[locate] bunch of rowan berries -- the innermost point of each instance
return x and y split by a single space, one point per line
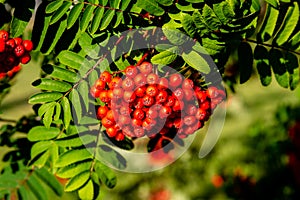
13 51
141 103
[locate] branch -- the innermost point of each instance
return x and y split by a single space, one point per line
272 46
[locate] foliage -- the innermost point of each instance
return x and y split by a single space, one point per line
74 38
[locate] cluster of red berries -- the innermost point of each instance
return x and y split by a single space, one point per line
143 104
13 51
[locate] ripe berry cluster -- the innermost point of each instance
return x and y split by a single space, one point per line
13 51
144 104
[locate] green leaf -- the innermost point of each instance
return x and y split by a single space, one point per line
23 193
41 159
73 156
59 32
269 24
150 6
85 120
166 57
69 141
124 4
57 111
39 148
196 61
77 181
92 50
61 11
70 170
187 8
174 36
87 17
74 14
40 26
18 27
165 2
36 188
245 62
45 107
264 71
53 6
50 180
54 85
288 26
87 191
42 133
212 47
83 90
224 11
210 18
120 17
75 99
294 42
60 73
278 65
71 59
261 55
48 117
293 69
107 18
106 175
189 26
65 104
97 19
274 3
115 3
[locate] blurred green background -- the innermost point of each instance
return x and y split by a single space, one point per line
250 157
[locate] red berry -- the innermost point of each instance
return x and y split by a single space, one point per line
115 83
140 92
175 80
151 91
163 84
140 80
191 109
18 41
205 105
110 94
145 68
107 123
95 92
189 95
152 79
212 92
4 35
104 96
129 96
148 100
177 123
127 84
179 94
152 113
102 111
189 120
169 123
188 84
162 96
110 115
118 93
123 120
105 76
131 71
138 114
201 114
137 122
11 43
100 85
124 110
178 105
2 45
139 132
25 58
111 131
120 136
170 101
201 96
148 124
138 103
165 112
28 45
10 60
